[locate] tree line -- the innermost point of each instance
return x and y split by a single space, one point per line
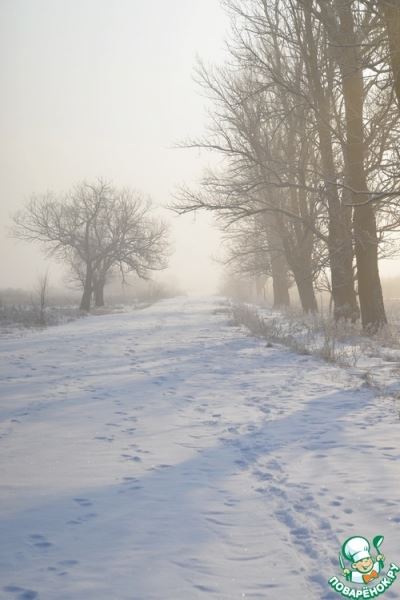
97 230
305 119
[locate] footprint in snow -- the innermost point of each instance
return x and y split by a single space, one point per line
39 541
83 501
23 593
82 519
130 488
133 458
230 502
274 465
205 588
233 429
263 476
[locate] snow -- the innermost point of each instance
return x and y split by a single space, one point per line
162 454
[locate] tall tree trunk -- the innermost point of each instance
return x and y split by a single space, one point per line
87 289
339 241
99 293
344 297
304 282
280 285
279 265
340 245
390 11
365 235
298 246
299 261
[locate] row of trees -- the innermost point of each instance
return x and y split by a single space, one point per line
96 230
305 118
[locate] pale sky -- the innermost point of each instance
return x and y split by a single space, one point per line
104 88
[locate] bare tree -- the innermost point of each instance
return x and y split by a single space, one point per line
339 21
263 137
129 240
305 123
96 228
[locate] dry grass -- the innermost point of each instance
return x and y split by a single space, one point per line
29 316
340 343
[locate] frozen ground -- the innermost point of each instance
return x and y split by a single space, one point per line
162 454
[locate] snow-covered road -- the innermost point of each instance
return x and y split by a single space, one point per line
162 454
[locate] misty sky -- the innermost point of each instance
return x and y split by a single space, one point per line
104 88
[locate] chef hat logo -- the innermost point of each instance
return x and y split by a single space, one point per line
356 548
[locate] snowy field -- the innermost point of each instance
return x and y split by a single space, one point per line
162 454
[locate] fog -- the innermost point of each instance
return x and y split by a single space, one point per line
188 435
105 89
100 89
